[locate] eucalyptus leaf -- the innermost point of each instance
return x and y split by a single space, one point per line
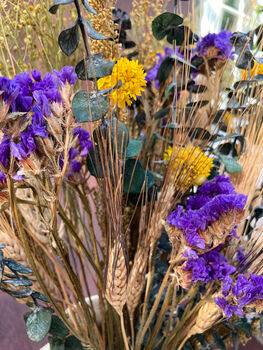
16 267
182 35
87 6
165 22
165 69
19 294
69 39
92 32
261 322
162 113
134 176
40 296
57 328
133 148
230 163
38 324
56 343
94 67
18 283
53 9
72 343
88 107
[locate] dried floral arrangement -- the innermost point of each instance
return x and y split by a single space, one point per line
130 210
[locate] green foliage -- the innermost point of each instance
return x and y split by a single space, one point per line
38 324
163 24
88 107
162 113
69 39
57 328
230 163
133 148
94 67
165 69
135 177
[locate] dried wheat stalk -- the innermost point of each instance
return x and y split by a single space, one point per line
116 286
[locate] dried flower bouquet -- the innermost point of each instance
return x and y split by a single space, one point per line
142 188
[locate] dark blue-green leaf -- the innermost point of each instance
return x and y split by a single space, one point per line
87 6
16 267
165 22
69 39
89 107
162 113
56 343
92 32
165 69
72 343
57 328
21 282
94 67
133 148
53 9
243 324
38 324
134 176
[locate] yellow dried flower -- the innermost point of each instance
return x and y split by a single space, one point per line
191 166
132 77
257 69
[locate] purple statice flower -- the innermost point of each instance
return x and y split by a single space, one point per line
4 155
241 258
66 74
83 138
153 73
229 310
210 266
25 147
189 253
9 90
220 41
191 221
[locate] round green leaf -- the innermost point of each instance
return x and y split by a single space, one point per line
119 134
133 148
72 343
89 107
134 176
165 22
57 328
96 66
56 343
38 324
230 163
69 39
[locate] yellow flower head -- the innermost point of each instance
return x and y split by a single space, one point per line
132 77
191 166
257 69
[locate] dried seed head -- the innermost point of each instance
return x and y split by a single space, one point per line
136 280
116 286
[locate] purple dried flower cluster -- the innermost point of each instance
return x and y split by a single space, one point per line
209 266
31 94
246 291
220 41
152 73
213 199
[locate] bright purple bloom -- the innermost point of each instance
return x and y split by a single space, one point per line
84 142
209 267
25 147
67 74
229 310
221 41
153 73
214 198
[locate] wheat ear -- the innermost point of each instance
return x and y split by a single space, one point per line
116 286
